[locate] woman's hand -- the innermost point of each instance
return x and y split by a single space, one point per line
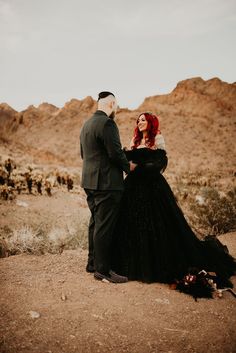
132 166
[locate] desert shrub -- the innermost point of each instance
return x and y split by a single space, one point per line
44 239
6 192
3 248
217 212
26 240
4 138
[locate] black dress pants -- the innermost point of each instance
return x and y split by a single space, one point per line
104 207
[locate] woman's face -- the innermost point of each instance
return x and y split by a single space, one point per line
142 123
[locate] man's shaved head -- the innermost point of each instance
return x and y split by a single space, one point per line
104 94
107 103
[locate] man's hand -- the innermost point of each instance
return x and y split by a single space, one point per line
132 166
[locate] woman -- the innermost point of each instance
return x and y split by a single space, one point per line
153 241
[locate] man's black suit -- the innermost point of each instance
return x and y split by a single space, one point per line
102 178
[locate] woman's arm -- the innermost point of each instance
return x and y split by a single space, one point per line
160 142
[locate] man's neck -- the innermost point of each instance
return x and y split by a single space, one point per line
103 111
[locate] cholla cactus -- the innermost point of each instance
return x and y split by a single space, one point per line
19 183
18 187
6 192
63 180
38 182
11 182
11 194
8 164
69 182
48 187
58 177
3 176
29 182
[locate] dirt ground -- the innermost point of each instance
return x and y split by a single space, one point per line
33 209
80 314
48 303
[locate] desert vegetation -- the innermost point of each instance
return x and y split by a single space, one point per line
15 180
208 205
208 201
40 165
40 232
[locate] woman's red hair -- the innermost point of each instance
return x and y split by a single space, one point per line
152 130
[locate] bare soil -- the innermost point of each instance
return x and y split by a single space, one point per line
81 314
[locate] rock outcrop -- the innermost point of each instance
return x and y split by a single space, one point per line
198 120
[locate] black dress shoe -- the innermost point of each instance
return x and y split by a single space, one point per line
111 277
90 268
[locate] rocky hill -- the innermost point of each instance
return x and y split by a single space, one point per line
198 120
196 98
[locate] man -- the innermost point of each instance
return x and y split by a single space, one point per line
102 179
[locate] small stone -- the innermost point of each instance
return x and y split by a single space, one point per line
61 281
34 314
98 316
21 203
162 301
63 297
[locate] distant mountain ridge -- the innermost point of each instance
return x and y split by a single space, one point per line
197 118
197 97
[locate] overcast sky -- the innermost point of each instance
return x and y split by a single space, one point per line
56 50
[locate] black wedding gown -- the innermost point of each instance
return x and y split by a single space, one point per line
153 241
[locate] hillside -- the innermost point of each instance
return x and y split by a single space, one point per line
198 120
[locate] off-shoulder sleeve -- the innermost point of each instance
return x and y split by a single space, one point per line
148 158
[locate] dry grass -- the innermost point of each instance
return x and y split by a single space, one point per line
44 239
208 201
216 213
61 222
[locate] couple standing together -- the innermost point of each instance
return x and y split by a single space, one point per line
137 230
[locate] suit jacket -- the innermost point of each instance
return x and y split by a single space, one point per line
103 158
